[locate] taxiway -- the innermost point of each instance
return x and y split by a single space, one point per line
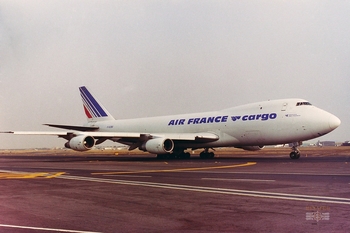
78 192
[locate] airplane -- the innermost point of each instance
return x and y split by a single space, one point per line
249 127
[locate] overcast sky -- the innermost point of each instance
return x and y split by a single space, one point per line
150 58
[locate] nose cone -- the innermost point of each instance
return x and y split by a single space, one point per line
322 122
334 122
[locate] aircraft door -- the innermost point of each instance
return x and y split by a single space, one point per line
284 106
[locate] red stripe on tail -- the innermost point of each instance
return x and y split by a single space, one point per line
87 113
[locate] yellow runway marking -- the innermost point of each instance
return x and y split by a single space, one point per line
175 170
54 175
14 175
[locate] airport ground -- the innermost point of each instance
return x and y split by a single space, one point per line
119 191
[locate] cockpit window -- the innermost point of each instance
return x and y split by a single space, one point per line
303 103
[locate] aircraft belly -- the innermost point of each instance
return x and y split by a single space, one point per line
224 140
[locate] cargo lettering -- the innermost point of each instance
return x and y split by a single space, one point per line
256 117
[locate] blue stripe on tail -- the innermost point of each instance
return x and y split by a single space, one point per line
91 104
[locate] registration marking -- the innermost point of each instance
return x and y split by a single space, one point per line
176 169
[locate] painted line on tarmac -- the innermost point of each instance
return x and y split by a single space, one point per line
237 192
252 180
28 175
281 173
131 176
175 170
45 229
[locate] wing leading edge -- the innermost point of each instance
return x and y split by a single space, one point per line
129 138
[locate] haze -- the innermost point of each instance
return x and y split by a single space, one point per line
150 58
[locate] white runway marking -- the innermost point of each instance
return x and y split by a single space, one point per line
273 173
249 180
45 229
271 195
129 176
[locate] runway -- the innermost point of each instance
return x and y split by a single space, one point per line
76 192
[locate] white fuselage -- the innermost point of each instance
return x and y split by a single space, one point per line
258 124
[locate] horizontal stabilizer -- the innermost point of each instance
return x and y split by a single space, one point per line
73 127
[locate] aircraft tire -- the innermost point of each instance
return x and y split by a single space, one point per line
165 156
204 155
186 155
181 155
294 155
211 155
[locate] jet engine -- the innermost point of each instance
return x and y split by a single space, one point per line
81 143
252 148
158 146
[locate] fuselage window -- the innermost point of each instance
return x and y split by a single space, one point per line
303 103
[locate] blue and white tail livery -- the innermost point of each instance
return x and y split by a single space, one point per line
249 127
94 110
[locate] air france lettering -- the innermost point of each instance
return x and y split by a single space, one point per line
202 120
219 119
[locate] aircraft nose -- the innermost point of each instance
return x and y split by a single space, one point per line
334 122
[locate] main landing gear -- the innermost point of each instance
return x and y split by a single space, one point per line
175 155
206 154
186 155
295 154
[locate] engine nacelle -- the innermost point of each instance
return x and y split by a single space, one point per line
81 143
252 148
158 146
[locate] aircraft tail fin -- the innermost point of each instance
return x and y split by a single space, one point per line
93 108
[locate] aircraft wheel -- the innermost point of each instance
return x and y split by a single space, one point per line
294 155
211 155
204 155
181 155
165 156
186 155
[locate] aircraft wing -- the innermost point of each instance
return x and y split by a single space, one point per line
125 136
57 133
141 137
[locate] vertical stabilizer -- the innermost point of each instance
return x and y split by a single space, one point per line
94 110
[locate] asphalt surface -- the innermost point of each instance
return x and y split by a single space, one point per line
107 193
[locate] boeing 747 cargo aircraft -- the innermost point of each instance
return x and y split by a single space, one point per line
250 127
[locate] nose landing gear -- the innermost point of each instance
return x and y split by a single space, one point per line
295 154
